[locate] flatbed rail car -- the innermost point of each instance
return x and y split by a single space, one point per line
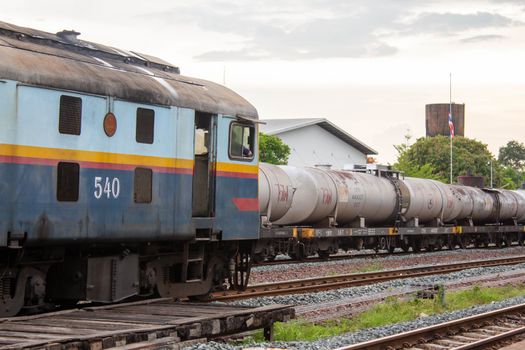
301 242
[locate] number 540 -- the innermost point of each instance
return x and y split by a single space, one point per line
109 187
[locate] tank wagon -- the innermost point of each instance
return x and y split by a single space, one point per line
118 175
307 211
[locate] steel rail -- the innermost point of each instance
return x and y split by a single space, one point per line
358 255
356 279
438 332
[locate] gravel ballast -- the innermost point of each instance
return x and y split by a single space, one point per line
282 272
403 285
399 284
372 333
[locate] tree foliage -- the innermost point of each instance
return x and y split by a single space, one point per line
430 158
513 155
273 150
411 168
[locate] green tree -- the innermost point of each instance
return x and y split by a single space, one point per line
273 150
469 156
512 155
410 168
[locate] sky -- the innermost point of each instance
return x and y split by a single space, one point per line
369 66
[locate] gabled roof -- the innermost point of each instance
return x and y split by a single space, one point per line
279 126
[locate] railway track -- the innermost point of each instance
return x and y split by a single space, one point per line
311 285
473 332
350 256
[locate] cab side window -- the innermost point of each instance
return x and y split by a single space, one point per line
242 140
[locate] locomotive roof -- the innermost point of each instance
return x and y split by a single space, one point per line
62 61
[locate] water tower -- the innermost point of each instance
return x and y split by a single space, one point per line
436 119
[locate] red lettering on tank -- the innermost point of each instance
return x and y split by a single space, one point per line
327 196
282 194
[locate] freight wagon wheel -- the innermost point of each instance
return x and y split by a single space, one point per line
241 275
508 240
462 242
391 244
451 243
323 254
416 245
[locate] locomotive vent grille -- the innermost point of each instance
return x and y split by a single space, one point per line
70 115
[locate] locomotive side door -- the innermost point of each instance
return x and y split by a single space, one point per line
205 155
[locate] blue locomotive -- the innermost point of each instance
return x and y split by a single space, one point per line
118 175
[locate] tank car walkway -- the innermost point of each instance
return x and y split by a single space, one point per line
145 322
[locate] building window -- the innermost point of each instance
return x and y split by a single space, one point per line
68 176
242 141
70 115
145 125
143 185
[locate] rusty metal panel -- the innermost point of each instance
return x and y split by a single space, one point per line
436 119
472 181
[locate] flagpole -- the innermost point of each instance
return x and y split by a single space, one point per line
450 116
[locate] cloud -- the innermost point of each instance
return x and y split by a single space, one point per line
316 29
454 23
482 38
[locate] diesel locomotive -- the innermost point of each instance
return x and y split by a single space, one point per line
120 177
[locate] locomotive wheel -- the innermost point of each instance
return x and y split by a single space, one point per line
10 305
241 275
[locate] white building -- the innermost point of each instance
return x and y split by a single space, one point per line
317 141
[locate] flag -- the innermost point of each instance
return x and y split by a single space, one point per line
450 125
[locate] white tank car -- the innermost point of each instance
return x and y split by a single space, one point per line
425 202
453 202
313 199
520 197
275 191
363 196
301 196
508 205
467 203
